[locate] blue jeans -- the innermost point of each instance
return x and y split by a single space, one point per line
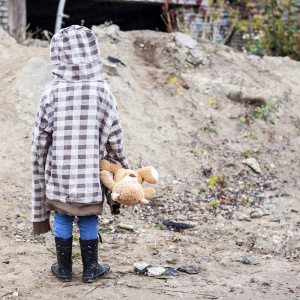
63 226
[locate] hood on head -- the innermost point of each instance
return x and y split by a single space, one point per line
75 54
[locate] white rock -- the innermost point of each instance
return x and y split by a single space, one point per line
110 69
112 31
126 226
243 217
140 266
253 164
15 294
184 40
156 271
267 256
196 57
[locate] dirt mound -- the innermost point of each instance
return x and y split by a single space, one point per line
188 111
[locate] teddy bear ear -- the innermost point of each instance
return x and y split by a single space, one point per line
114 196
149 174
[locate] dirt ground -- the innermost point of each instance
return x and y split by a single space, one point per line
185 120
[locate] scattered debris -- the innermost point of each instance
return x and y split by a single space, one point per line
171 272
155 271
141 266
243 217
192 269
126 226
267 256
115 60
255 214
178 227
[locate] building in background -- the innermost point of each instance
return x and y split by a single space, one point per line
3 14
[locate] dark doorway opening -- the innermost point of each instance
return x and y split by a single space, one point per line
129 16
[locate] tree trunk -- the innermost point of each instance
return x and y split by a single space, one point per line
17 19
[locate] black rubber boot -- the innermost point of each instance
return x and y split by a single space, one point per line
62 269
92 271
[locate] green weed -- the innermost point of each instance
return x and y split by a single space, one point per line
212 180
263 111
76 254
243 120
202 189
172 261
214 203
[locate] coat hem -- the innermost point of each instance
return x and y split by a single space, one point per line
75 209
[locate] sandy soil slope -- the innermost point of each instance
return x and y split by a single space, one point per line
181 132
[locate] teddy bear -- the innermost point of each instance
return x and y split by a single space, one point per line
126 185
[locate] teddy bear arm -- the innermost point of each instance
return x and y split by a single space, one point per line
107 179
149 192
107 166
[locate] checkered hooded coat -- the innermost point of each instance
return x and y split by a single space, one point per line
77 123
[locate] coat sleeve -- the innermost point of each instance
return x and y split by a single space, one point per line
41 141
114 146
115 154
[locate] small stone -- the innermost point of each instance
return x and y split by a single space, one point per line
272 166
252 279
126 226
196 57
192 269
267 256
253 164
255 214
246 260
243 217
112 31
142 45
15 294
141 266
171 272
184 40
155 271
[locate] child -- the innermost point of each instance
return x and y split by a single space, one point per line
77 120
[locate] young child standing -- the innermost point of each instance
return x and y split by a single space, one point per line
77 120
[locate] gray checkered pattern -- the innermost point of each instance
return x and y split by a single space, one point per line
77 120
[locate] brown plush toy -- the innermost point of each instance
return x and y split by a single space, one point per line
126 186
